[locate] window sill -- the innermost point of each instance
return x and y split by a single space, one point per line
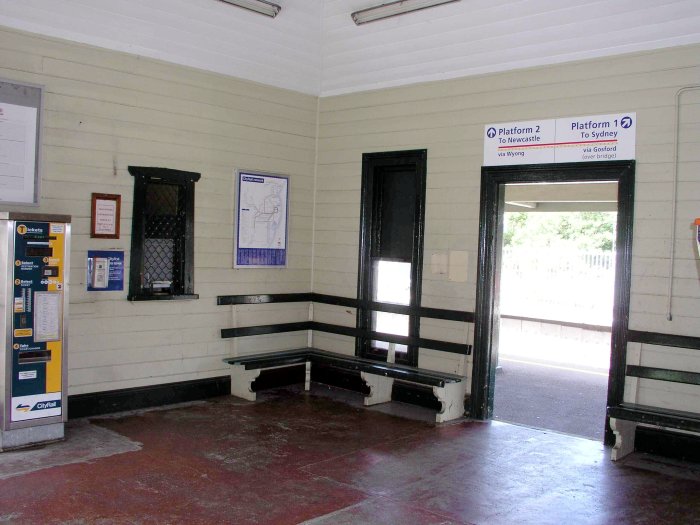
163 297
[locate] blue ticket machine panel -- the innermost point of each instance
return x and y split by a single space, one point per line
35 304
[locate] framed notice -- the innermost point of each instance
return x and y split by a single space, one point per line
262 204
20 140
106 209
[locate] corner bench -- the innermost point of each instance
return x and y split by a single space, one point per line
449 389
625 417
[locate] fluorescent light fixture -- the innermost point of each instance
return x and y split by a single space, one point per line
393 9
259 6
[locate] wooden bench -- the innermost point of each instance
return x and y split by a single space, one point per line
449 389
625 417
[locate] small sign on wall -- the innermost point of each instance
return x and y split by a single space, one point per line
106 211
573 139
105 270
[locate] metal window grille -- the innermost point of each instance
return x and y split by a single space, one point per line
164 238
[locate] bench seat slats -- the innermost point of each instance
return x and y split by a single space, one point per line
663 417
270 360
302 355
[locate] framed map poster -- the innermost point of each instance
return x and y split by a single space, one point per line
262 204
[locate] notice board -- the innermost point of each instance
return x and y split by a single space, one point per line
20 142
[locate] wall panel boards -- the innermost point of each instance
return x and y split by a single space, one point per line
448 119
105 111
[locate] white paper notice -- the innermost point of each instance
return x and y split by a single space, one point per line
17 153
47 316
105 217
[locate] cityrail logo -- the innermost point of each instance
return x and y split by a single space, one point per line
45 405
21 229
41 405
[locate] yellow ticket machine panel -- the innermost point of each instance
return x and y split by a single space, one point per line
37 256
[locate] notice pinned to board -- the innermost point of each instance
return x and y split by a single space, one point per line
573 139
20 115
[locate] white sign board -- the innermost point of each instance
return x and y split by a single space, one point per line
572 139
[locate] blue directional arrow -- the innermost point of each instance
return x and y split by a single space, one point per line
491 133
626 122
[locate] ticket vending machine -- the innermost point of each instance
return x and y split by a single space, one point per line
34 264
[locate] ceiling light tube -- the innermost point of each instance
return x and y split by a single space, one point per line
259 6
393 9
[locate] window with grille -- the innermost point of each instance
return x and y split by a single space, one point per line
162 235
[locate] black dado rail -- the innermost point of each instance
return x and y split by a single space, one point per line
659 339
664 374
433 313
422 311
433 344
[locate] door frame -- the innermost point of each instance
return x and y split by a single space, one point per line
492 207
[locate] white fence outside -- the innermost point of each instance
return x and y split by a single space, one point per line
556 284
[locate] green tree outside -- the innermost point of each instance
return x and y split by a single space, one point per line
587 230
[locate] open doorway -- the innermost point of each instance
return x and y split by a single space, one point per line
556 306
488 301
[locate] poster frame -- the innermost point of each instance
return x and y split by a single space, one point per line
243 256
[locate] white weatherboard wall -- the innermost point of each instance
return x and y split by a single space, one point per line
448 119
105 111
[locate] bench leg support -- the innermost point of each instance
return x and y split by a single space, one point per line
379 388
242 382
624 437
307 377
451 397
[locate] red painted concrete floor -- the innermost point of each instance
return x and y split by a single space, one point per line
314 458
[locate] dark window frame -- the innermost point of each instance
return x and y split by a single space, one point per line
185 180
373 164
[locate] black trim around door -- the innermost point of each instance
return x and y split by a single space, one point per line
493 181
